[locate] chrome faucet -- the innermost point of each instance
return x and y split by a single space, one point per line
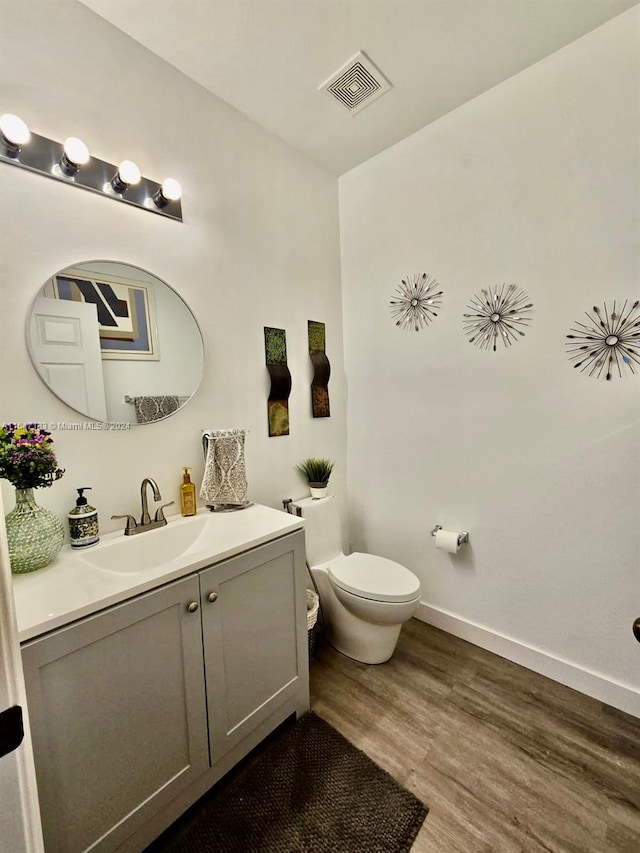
132 527
146 518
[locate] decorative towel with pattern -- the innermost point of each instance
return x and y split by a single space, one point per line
224 485
150 408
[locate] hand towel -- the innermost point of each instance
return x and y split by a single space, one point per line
154 408
225 481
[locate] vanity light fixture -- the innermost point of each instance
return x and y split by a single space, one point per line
14 133
74 154
169 191
128 175
71 162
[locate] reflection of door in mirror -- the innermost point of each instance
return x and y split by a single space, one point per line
66 346
148 344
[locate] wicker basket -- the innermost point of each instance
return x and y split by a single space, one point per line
313 605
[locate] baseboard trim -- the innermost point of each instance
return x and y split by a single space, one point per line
613 693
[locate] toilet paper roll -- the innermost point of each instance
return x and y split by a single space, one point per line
447 540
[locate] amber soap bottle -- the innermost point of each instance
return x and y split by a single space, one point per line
187 495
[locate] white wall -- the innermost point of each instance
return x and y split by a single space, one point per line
535 182
259 246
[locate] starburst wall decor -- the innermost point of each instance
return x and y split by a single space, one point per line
500 313
611 342
417 299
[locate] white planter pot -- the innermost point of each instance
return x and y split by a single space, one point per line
318 490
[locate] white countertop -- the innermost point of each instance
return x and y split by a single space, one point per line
77 583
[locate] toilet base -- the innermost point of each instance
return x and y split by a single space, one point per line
366 649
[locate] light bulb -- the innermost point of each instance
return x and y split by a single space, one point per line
75 154
13 132
76 151
129 172
127 175
169 191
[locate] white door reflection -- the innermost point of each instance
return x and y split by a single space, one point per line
66 346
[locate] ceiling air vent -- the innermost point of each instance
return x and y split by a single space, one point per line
356 84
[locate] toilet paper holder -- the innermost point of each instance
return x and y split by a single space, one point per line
463 536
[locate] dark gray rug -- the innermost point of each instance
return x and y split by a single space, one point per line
308 790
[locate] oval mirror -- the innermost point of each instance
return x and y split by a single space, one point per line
115 342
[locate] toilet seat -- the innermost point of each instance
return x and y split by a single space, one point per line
374 578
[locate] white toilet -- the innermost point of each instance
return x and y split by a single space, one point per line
365 599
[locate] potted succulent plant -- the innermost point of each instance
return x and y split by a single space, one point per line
317 472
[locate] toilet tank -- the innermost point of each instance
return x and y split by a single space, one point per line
322 531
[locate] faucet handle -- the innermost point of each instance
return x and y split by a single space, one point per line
131 523
160 514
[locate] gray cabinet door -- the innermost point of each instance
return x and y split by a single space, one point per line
255 638
118 713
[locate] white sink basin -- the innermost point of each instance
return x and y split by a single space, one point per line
81 582
143 551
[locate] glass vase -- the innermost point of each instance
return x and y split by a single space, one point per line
34 534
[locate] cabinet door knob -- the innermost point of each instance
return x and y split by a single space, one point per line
192 607
213 596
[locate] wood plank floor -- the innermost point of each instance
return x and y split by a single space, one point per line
507 760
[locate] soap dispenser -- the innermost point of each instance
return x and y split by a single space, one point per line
187 494
83 522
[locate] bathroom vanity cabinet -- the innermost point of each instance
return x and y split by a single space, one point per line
136 710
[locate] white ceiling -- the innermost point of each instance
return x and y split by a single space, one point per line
268 57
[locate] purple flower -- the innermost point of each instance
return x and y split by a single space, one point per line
27 459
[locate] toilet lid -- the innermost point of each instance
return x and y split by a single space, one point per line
375 578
